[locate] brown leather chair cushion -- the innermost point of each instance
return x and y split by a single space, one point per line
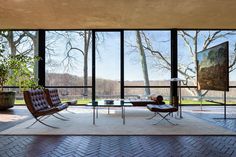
54 99
51 110
161 108
35 100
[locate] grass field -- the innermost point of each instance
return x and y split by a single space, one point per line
80 101
184 102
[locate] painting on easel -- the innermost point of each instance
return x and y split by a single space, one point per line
213 69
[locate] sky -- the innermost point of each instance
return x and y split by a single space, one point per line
108 55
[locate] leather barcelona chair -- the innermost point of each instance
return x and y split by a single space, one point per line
53 98
38 106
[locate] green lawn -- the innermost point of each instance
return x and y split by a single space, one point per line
80 101
184 102
191 102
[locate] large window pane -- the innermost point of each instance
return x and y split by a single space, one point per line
68 58
191 42
107 65
187 98
231 98
147 58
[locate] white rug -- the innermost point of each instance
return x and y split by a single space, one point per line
81 123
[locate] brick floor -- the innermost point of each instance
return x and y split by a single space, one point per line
143 146
218 119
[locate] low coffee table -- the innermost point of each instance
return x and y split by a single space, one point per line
101 103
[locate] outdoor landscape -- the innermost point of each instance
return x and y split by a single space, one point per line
147 61
110 89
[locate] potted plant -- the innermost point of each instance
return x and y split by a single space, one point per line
15 70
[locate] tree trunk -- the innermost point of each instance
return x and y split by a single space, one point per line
143 62
198 92
36 49
87 37
12 44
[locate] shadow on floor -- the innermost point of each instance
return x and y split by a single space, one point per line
13 116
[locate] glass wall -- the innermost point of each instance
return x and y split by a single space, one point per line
190 42
107 65
68 63
147 61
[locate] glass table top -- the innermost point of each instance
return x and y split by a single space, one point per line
116 103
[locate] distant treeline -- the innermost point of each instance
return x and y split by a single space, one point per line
106 87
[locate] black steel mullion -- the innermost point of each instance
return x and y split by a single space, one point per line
174 62
68 86
41 54
146 86
93 66
122 95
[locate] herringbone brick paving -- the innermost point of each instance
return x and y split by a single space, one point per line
217 119
117 146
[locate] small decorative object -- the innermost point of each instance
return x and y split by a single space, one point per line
109 101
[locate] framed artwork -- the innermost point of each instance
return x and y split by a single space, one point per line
213 68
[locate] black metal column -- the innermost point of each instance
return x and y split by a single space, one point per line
94 75
122 95
174 63
225 105
41 53
93 66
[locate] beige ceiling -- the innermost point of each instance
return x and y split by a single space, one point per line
80 14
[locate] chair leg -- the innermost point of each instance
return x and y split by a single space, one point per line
155 114
60 118
36 120
45 117
70 111
48 125
164 118
40 121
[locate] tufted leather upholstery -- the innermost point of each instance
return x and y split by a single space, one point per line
37 104
54 99
35 100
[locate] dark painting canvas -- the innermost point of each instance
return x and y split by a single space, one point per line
213 73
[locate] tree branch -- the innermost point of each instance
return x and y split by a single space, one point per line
209 39
187 43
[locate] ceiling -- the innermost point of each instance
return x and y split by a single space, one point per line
112 14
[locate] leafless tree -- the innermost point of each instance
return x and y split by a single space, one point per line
143 62
73 38
189 70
